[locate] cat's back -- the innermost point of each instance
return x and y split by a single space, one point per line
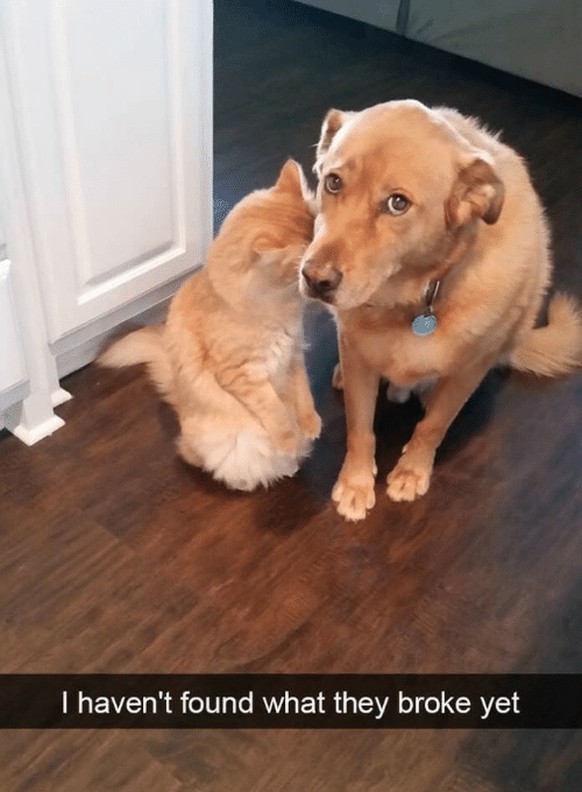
191 302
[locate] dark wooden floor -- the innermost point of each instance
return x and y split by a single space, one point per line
116 557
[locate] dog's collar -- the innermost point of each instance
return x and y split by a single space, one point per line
426 323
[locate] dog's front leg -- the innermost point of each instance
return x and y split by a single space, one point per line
411 476
354 489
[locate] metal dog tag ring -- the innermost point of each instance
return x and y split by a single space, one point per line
426 323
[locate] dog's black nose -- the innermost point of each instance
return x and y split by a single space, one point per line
321 281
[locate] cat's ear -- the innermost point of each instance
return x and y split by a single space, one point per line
290 177
266 254
292 180
280 264
263 250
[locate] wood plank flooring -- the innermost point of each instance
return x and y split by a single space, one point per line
116 557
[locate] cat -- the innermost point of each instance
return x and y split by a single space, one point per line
229 358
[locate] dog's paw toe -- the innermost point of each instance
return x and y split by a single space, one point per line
406 483
353 501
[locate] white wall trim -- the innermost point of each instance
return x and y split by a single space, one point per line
85 348
34 416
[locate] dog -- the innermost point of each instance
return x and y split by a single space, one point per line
432 250
229 358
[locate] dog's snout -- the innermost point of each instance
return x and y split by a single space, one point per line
321 281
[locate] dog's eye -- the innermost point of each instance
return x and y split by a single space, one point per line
332 183
397 204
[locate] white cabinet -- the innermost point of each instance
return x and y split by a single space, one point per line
13 377
112 99
107 153
2 241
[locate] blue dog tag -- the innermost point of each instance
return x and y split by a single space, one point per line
424 325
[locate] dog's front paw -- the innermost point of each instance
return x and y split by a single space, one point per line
310 424
409 480
354 496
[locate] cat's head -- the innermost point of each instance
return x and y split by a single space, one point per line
269 230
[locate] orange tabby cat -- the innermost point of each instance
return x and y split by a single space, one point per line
230 357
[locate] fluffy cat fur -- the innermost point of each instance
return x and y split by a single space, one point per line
229 358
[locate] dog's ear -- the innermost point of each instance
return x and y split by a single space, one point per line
333 121
478 192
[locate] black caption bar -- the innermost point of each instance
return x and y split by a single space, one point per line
285 701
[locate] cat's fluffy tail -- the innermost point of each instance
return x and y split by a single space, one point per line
555 349
146 345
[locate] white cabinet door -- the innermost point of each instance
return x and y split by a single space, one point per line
12 370
2 241
112 100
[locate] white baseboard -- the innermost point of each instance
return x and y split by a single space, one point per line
81 348
60 396
32 436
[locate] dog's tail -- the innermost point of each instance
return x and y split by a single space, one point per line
555 349
143 346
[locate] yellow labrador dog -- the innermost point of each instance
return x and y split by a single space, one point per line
432 249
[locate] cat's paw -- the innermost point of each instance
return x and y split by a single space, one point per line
310 424
286 441
336 379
